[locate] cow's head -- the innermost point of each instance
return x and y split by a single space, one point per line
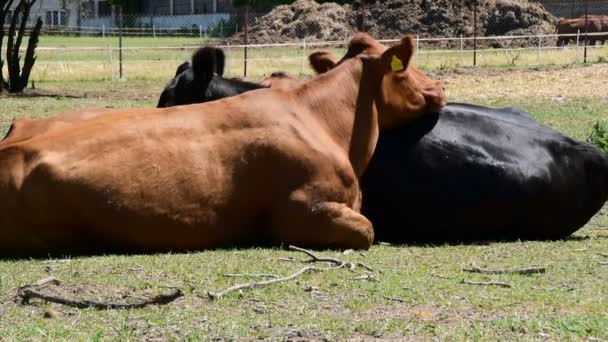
404 88
191 81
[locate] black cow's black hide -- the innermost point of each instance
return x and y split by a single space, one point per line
476 173
202 81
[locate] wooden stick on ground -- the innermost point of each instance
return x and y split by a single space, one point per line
315 258
28 292
528 270
253 275
487 283
253 284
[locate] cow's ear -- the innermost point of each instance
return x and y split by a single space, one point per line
204 64
322 61
220 61
181 68
398 57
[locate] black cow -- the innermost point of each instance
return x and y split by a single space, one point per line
477 173
203 81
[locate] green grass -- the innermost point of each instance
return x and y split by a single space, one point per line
145 58
567 303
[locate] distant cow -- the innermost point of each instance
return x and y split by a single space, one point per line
203 81
476 173
594 24
268 166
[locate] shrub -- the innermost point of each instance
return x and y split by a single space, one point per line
599 135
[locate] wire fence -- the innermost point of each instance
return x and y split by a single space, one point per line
450 34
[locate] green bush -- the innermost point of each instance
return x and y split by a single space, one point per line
599 135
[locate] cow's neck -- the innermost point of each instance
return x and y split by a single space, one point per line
343 101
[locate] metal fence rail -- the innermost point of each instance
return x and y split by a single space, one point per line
103 63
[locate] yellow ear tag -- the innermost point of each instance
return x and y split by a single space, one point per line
396 64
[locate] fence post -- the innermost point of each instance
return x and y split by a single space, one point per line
586 31
120 45
303 56
539 48
578 35
103 30
475 35
246 29
417 49
154 31
200 31
461 51
111 61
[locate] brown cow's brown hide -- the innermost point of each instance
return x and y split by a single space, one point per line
268 166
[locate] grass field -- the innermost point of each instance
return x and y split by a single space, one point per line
418 295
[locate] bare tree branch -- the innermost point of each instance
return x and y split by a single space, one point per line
315 258
526 271
486 283
251 285
28 292
254 275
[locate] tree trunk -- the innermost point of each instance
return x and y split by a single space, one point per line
30 58
18 78
5 5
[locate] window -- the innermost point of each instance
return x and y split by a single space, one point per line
181 7
104 9
56 18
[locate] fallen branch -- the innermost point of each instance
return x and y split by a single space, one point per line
366 277
526 271
251 285
565 287
315 258
603 254
395 299
253 275
486 283
27 293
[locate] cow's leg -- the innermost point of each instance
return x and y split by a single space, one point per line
306 223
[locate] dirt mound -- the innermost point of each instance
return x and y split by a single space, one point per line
303 19
388 19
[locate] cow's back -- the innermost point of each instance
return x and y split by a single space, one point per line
170 179
481 173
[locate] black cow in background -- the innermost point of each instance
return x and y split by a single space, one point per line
478 173
203 81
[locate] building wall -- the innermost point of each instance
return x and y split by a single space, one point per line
54 13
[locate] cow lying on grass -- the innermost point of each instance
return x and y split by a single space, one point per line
267 166
203 81
473 173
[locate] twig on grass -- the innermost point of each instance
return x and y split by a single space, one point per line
366 277
526 271
253 275
28 292
315 258
486 283
395 299
603 263
603 254
253 284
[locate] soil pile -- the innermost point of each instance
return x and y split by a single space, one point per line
388 19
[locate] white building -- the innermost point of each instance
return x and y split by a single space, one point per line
157 13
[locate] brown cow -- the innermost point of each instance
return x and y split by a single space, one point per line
595 24
268 166
363 43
